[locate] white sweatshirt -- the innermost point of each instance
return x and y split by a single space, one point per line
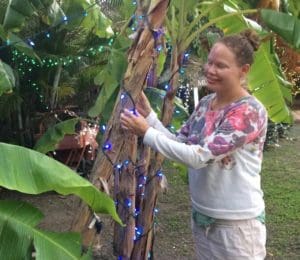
223 150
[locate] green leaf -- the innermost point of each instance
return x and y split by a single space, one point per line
53 13
156 97
51 245
31 172
18 232
16 221
110 85
265 80
232 24
55 134
22 46
161 59
294 7
117 64
285 25
126 9
95 21
189 6
109 78
18 43
7 79
16 12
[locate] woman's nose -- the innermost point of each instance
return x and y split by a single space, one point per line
209 69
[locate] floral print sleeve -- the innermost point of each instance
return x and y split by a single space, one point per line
212 135
243 124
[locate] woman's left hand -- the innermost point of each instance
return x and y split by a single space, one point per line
134 122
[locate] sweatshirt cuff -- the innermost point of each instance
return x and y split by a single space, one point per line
151 118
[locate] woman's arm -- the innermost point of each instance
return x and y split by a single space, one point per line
154 122
240 126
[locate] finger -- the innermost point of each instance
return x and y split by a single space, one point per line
125 116
127 113
131 113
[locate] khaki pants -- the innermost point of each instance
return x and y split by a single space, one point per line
230 240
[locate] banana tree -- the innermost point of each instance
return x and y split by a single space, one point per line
119 157
35 173
287 42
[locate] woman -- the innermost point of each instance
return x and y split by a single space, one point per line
222 145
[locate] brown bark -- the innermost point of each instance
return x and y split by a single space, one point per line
124 146
144 245
269 4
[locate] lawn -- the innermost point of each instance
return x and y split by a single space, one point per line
281 182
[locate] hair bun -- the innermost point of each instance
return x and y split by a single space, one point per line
252 37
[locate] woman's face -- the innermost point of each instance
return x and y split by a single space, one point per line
222 70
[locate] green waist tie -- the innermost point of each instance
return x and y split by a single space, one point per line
204 221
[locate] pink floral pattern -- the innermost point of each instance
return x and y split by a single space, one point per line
240 123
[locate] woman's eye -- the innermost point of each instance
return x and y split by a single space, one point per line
221 66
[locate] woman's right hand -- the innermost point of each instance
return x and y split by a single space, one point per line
143 105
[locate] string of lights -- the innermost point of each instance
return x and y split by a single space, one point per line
126 101
28 63
46 33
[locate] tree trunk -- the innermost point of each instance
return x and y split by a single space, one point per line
54 93
124 146
19 116
143 247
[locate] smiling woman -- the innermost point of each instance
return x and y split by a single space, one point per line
222 144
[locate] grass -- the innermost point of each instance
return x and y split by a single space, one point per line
280 182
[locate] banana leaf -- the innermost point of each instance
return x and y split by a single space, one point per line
92 18
7 79
271 89
18 10
109 86
55 134
18 235
156 97
16 13
285 25
31 172
110 77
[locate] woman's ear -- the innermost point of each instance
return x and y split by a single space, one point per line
245 69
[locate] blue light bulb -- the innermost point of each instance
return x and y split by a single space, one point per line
107 146
159 173
128 202
31 43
